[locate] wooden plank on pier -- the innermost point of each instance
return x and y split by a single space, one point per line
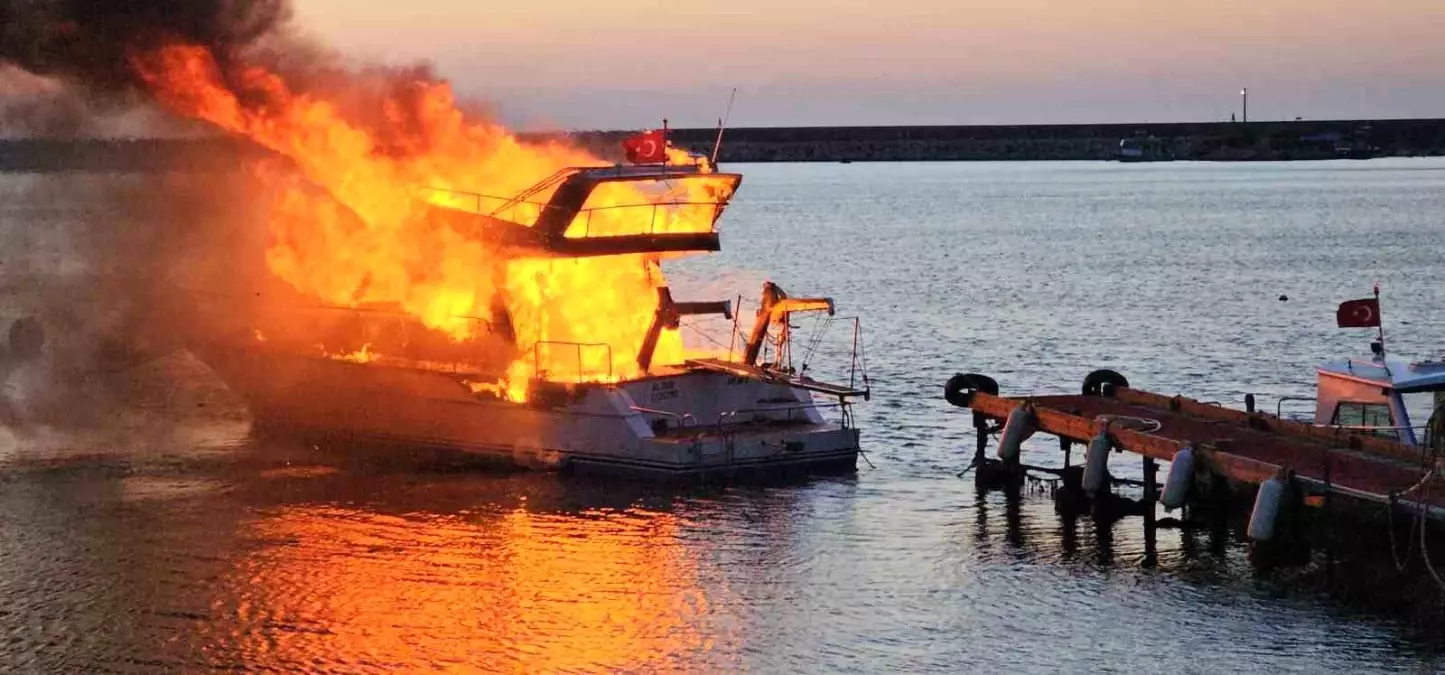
1065 425
1051 421
1145 444
1237 467
1343 438
1076 427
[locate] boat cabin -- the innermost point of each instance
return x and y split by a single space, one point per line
1385 396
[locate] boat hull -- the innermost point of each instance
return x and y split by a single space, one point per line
694 424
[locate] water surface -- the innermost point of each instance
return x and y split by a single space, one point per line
170 539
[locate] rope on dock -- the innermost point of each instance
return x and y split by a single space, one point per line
1390 516
1141 424
1421 520
1390 526
1424 546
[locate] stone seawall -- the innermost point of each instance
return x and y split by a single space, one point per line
1260 141
1256 141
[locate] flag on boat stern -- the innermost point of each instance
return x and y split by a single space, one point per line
648 147
1364 313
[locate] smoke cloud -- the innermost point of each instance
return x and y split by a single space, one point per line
365 136
91 41
99 257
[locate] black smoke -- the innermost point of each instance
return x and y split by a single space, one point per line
97 258
92 42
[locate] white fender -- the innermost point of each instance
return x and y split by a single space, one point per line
1020 426
1181 476
1096 464
1266 509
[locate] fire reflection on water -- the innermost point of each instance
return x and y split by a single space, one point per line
518 591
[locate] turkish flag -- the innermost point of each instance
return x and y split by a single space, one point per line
1359 313
648 147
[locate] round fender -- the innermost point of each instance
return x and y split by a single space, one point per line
1102 382
26 339
1268 502
1021 424
959 389
1181 477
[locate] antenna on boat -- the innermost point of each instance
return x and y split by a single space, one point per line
721 124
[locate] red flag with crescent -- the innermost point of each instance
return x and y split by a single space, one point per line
1359 313
648 147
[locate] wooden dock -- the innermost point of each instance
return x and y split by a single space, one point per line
1338 510
1244 446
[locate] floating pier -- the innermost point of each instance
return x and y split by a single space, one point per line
1295 466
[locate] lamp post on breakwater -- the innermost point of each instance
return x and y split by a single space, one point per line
1244 96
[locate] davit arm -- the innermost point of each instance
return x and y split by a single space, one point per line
775 307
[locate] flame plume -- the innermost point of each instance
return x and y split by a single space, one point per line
394 249
348 226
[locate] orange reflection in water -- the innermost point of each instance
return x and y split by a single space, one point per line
515 591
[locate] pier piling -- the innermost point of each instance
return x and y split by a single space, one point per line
1151 468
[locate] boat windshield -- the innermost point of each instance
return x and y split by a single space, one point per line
680 204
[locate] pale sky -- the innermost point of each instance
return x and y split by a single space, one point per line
568 63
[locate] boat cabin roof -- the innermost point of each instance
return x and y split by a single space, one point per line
566 193
1389 373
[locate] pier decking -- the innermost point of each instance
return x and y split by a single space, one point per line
1249 447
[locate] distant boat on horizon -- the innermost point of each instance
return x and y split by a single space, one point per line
1142 148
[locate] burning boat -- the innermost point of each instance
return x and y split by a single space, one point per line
531 324
522 385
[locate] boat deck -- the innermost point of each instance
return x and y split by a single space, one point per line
736 369
1245 446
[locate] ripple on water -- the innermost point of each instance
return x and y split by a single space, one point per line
152 488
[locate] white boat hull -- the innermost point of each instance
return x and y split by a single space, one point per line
685 423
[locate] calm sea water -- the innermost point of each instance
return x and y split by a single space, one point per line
168 540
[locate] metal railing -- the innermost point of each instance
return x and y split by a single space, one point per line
1367 427
481 201
399 315
585 216
1394 433
1279 405
731 415
682 418
521 197
391 333
520 210
537 356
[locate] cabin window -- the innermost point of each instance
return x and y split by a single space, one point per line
1368 416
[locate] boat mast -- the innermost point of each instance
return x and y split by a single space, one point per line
721 124
1380 324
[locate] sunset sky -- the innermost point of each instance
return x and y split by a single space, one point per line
566 64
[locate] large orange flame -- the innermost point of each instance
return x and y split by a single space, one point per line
369 236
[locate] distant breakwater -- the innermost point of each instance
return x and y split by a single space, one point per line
1227 141
1224 141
